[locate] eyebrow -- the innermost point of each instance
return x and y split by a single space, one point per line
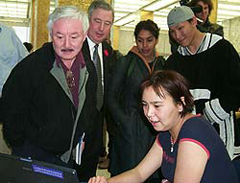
96 18
145 38
154 102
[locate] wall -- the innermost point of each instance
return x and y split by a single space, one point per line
127 40
231 32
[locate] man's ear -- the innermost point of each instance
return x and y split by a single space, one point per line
194 20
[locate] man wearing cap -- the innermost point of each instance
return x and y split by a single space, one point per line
212 66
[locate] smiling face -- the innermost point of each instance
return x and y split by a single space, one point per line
162 112
146 43
67 36
205 11
184 32
99 25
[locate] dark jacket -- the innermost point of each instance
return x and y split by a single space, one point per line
212 28
134 135
38 107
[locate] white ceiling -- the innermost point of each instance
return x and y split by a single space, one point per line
18 12
127 12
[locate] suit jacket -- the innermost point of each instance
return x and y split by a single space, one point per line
108 62
94 136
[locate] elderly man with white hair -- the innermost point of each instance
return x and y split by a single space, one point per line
47 102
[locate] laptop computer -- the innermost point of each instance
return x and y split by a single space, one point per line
19 170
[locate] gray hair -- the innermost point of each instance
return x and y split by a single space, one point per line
68 12
99 4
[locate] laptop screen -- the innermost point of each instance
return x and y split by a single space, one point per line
18 170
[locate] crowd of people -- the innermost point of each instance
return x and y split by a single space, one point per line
168 120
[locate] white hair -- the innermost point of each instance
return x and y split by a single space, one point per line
69 12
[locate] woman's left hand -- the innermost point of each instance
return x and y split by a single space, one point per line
98 179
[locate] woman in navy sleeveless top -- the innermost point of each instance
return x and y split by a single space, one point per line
187 148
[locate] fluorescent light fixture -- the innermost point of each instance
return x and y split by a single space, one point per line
226 12
221 17
161 13
126 7
123 21
14 10
229 7
19 1
157 5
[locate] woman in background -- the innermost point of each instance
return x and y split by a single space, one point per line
134 135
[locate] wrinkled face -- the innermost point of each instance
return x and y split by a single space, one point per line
146 43
183 33
162 113
99 25
205 11
67 36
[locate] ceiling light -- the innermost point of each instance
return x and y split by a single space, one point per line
225 12
230 7
157 5
124 20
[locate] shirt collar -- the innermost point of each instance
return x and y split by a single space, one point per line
91 45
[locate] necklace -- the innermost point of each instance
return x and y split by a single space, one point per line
70 79
172 145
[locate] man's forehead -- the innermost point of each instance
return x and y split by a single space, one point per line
66 20
100 12
67 25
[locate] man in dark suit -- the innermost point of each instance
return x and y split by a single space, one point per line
101 17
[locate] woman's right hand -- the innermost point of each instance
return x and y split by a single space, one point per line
98 179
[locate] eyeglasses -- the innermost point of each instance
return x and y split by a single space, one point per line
70 79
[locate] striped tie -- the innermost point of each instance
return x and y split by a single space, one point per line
97 64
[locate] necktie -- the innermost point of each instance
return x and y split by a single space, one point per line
97 64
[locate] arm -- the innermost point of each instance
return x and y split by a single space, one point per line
15 98
227 85
191 162
144 169
21 51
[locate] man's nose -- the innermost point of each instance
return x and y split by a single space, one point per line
177 34
102 26
66 42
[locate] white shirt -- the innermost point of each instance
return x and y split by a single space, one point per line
91 45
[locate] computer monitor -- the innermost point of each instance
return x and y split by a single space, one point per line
19 170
